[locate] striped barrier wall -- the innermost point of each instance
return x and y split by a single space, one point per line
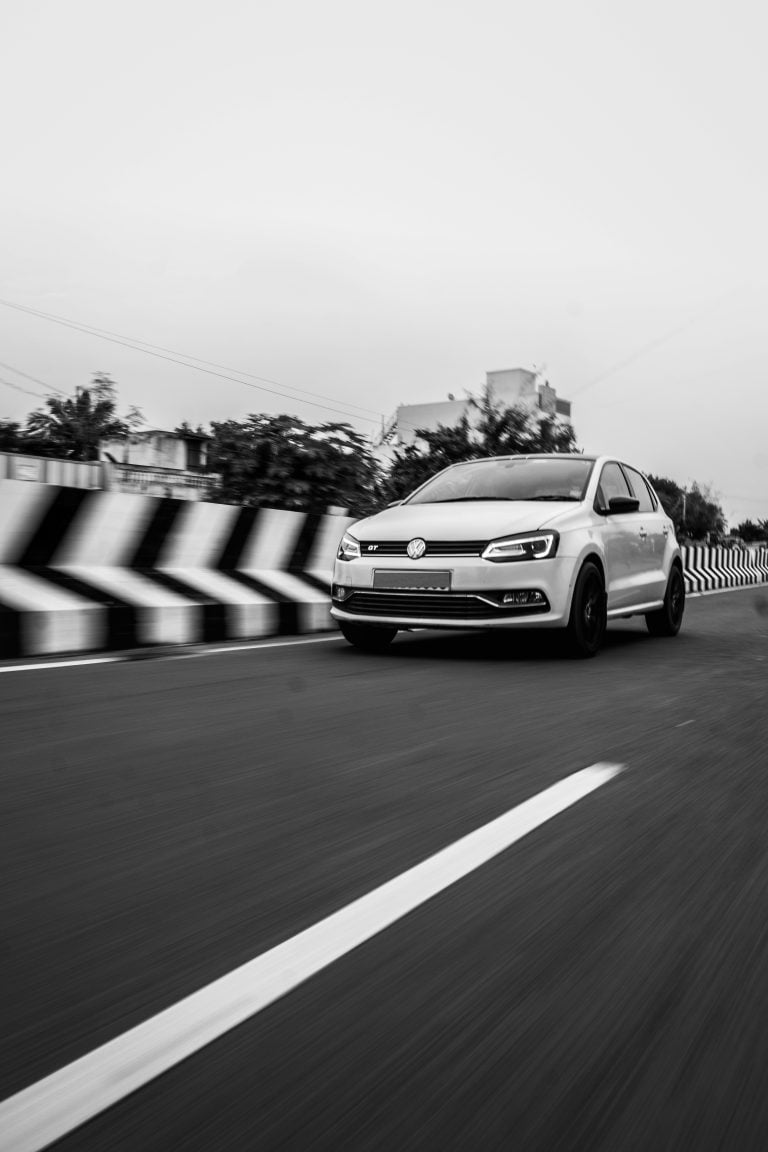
709 569
43 470
90 570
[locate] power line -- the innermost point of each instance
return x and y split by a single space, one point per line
33 379
194 362
18 388
657 342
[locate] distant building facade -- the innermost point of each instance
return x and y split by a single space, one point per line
157 463
148 463
510 387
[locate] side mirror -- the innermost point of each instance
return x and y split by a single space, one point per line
619 504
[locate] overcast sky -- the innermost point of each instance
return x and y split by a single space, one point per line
379 202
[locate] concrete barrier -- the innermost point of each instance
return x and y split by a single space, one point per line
88 570
84 570
709 569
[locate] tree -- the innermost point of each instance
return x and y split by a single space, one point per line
506 431
751 532
496 431
704 519
694 511
11 436
671 496
72 427
281 462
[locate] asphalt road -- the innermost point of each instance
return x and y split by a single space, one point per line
602 984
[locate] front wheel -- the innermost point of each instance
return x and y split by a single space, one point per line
367 638
586 626
666 621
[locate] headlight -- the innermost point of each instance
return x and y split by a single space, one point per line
349 548
533 546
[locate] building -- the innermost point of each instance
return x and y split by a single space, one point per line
510 387
158 463
148 463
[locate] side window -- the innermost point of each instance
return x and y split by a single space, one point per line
639 489
612 483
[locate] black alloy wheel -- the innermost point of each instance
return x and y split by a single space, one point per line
666 621
587 623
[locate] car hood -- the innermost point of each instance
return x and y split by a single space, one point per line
474 520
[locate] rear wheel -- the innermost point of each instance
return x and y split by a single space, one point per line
666 621
586 626
367 638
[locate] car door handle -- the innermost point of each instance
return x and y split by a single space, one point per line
643 534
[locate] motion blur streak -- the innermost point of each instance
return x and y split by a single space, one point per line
42 1113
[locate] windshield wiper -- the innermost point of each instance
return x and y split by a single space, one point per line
576 498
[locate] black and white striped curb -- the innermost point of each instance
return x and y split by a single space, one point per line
711 569
84 571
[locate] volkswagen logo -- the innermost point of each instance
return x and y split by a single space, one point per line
416 549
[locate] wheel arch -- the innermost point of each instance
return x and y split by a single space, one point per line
590 554
596 559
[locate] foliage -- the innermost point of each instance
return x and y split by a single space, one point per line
11 436
694 511
71 427
497 430
281 462
751 532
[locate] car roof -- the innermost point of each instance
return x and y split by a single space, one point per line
533 456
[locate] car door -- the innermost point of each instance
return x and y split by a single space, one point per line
653 532
621 541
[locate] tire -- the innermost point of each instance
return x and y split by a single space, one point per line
666 621
588 619
367 638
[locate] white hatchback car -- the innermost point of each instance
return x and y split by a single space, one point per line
555 541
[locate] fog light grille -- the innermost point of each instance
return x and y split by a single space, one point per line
524 597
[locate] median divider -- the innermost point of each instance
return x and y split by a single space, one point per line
709 569
83 571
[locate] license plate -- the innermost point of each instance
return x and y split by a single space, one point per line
422 581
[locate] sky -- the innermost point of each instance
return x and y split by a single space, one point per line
349 205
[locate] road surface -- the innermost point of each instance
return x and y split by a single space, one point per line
601 983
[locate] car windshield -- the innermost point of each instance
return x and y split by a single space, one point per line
516 478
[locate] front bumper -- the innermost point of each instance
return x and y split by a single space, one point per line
477 589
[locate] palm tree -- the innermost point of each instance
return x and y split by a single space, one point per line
72 427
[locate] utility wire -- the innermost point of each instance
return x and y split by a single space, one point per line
18 388
657 341
198 364
33 379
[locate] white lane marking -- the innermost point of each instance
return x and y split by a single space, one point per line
175 656
60 664
266 644
48 1110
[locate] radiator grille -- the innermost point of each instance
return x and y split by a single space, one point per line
434 547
